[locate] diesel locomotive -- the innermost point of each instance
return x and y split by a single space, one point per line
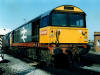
61 30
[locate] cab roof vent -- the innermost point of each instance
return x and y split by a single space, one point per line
69 8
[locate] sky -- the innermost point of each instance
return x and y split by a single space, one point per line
14 13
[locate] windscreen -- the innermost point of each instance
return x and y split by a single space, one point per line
68 19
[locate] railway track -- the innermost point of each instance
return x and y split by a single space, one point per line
73 70
89 65
92 58
86 67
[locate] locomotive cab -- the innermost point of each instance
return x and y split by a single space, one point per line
66 26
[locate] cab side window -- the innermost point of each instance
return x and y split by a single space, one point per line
44 21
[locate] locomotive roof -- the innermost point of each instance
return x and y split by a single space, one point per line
63 8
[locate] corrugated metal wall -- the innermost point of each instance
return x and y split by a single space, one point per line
0 41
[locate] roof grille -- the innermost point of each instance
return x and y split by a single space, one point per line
69 8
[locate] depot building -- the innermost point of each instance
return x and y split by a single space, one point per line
2 33
97 41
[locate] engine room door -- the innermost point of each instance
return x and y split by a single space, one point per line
35 31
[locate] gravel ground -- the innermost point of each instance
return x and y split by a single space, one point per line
14 66
94 67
